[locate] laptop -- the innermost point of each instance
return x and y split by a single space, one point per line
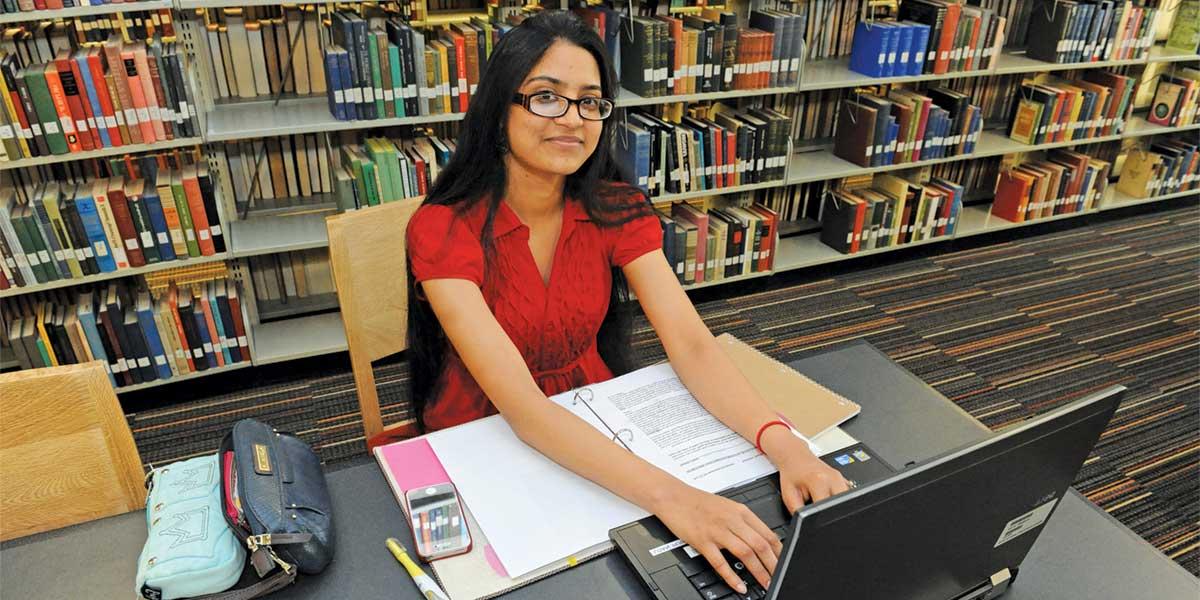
955 527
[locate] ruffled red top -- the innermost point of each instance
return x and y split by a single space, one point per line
553 325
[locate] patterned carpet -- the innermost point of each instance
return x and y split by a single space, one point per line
1006 330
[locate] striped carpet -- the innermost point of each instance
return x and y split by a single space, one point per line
1006 330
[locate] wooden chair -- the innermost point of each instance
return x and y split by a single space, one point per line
66 453
368 259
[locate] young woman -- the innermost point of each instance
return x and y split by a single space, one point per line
519 259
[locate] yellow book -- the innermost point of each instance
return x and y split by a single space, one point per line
21 133
1139 170
41 330
444 68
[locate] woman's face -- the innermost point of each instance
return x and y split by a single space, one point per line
560 145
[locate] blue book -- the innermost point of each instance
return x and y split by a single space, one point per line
41 219
904 50
202 331
93 99
919 47
85 311
891 39
868 50
145 317
158 222
333 85
700 160
351 94
86 206
633 155
221 342
973 132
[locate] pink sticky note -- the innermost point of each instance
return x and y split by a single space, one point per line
413 464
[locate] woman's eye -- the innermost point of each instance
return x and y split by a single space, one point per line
545 97
590 102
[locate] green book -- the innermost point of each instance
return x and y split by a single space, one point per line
397 78
39 259
41 346
343 189
391 159
39 92
378 153
185 214
376 75
1185 31
72 254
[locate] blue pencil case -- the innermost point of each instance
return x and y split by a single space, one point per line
190 549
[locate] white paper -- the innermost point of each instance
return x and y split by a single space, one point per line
535 512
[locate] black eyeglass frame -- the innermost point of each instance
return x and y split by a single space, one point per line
523 101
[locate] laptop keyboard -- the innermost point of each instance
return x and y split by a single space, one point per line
765 501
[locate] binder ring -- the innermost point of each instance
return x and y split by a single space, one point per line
582 395
623 436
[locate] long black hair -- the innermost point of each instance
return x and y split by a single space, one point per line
476 173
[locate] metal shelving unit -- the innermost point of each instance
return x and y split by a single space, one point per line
321 334
83 11
196 375
119 273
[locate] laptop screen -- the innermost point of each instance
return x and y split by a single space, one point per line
944 527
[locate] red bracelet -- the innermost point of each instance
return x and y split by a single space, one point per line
758 438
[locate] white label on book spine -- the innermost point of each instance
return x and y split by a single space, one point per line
142 361
891 58
155 114
729 75
708 170
368 94
131 116
191 236
410 90
208 347
197 353
919 144
775 65
23 259
131 244
760 164
59 256
37 129
388 95
339 97
230 343
870 150
203 234
80 254
215 229
91 123
661 74
162 238
681 72
241 340
131 363
160 360
795 64
147 239
6 132
51 127
44 256
932 55
695 70
647 74
945 55
882 58
101 249
143 114
708 70
904 57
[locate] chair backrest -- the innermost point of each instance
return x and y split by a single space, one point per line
369 262
66 453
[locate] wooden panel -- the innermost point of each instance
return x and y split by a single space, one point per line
66 453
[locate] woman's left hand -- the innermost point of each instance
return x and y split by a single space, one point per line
802 476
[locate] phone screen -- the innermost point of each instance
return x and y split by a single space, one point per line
439 528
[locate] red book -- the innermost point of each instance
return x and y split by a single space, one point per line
70 87
173 303
860 214
59 97
946 43
770 235
203 300
81 95
129 233
166 114
1012 196
120 80
235 308
731 157
460 52
717 139
152 105
191 189
96 72
973 44
137 96
921 122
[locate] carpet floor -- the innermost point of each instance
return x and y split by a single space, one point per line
1006 330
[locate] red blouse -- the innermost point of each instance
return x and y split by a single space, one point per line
553 326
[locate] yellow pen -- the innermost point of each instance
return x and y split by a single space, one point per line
425 583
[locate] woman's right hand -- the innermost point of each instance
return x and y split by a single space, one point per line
709 523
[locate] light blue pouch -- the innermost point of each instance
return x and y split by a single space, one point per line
190 549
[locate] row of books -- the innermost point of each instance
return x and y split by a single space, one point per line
890 211
264 51
15 6
286 278
396 70
1176 98
906 126
276 172
1072 31
1052 109
711 53
1167 167
93 98
69 232
719 243
693 152
381 170
143 165
131 26
935 37
1062 182
139 337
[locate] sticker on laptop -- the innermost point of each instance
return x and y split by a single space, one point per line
669 546
861 456
1025 523
844 459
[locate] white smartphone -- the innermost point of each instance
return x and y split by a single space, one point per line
438 526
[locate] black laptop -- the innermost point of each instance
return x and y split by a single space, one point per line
955 527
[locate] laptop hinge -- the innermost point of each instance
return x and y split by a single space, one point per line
992 588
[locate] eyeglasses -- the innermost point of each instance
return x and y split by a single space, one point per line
553 106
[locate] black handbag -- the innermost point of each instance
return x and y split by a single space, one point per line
277 503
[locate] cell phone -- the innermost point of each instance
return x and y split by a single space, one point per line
438 526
